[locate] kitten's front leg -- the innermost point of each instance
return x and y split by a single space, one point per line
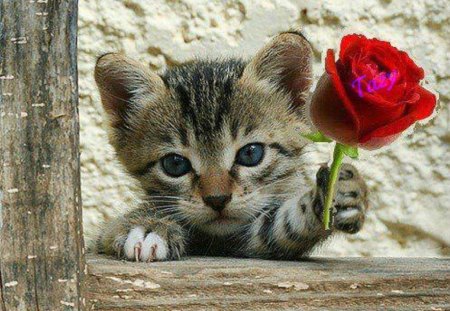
141 235
289 231
292 230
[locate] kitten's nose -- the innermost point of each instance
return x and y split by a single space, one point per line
217 202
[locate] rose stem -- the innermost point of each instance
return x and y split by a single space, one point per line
338 156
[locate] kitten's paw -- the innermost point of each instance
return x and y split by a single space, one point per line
143 247
350 203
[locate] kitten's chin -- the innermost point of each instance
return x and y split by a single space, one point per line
222 226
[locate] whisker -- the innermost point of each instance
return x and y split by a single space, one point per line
165 197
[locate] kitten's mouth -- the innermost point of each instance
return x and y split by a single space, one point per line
223 219
222 225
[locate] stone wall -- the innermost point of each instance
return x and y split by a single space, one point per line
409 180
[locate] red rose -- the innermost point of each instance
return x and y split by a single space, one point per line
370 95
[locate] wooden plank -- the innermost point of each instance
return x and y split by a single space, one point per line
41 257
247 284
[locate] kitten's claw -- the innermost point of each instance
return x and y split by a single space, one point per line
145 248
135 236
154 248
152 253
137 251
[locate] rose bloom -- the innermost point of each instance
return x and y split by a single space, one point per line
370 95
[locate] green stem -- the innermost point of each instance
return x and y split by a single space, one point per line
338 156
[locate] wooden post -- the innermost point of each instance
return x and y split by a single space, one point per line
41 242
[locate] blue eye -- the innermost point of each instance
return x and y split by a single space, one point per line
175 165
250 155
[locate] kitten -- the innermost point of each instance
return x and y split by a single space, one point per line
217 148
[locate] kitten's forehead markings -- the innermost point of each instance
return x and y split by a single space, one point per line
218 153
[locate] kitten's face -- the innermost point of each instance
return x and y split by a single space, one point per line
213 143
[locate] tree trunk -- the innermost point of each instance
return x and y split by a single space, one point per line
41 243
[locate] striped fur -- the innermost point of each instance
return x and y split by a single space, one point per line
206 111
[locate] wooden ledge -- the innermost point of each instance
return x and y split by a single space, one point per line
247 284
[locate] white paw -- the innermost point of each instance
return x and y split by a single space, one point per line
143 248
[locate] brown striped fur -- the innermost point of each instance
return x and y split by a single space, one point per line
206 111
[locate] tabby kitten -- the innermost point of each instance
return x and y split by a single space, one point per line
217 148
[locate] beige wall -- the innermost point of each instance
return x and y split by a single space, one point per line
409 181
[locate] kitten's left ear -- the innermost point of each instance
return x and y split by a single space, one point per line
284 63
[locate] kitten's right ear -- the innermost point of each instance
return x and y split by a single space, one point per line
123 83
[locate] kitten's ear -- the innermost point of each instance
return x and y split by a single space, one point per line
123 83
284 63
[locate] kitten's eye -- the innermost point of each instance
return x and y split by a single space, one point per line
175 165
250 155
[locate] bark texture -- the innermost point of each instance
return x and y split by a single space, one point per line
41 244
247 284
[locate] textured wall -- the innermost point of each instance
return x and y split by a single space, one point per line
409 180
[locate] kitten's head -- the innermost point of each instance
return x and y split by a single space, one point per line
212 142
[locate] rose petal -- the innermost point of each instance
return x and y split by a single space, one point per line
385 56
393 95
372 116
381 97
415 73
329 115
387 134
378 142
377 99
426 104
330 67
351 44
422 109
